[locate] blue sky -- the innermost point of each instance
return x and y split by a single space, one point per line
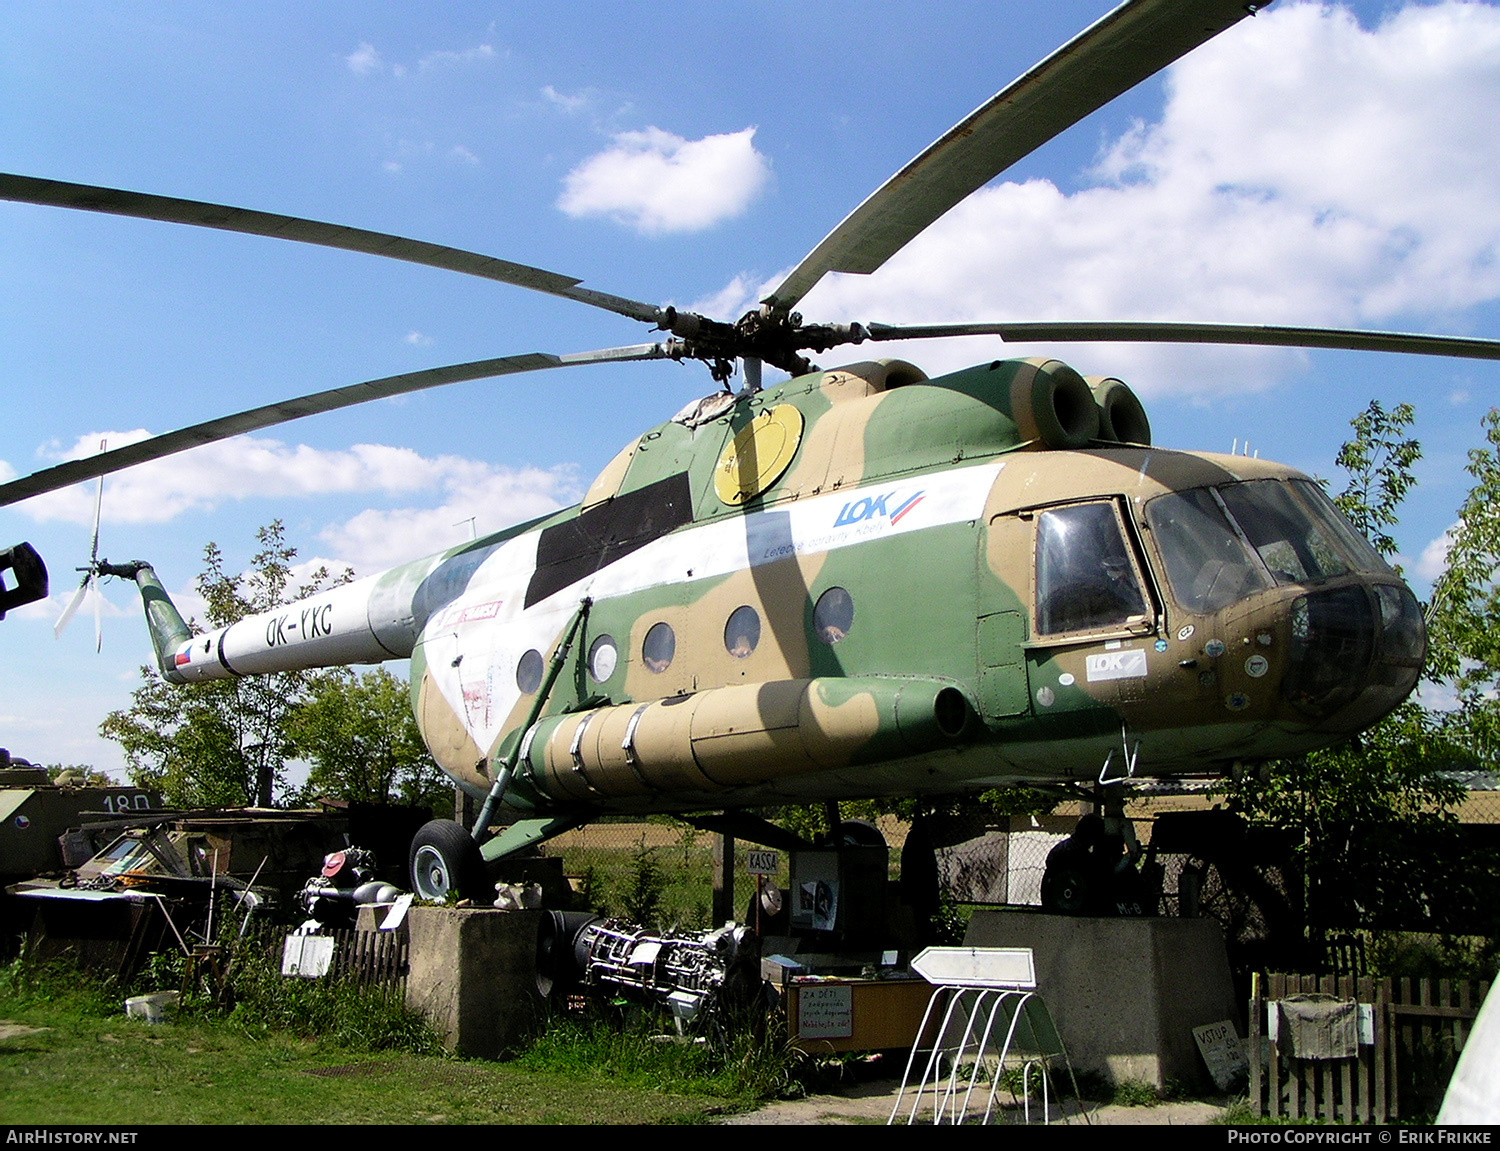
1317 165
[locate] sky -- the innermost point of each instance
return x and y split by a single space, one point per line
1318 165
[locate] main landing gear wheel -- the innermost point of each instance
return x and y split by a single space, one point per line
444 858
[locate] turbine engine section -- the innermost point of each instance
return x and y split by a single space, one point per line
1122 417
696 976
1053 405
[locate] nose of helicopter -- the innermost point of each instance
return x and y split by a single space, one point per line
1355 652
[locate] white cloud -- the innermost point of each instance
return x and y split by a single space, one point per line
1305 171
363 59
1437 696
733 300
1434 558
656 182
459 152
479 54
254 466
496 498
417 339
392 167
65 584
568 104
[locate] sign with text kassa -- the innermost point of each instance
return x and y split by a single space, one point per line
762 862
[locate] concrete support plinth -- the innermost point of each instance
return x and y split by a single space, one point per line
1125 993
473 974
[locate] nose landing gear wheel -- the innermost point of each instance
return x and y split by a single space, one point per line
444 858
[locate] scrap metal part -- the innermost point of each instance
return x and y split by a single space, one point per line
696 975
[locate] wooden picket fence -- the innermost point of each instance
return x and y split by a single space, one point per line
1420 1026
369 958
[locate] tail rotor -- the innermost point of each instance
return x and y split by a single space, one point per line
88 586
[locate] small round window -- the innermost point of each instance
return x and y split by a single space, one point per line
604 657
742 632
833 615
529 672
659 647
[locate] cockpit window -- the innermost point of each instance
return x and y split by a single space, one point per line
1084 576
1294 548
1208 565
1355 546
1294 534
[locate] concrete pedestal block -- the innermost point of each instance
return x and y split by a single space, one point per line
1125 993
473 974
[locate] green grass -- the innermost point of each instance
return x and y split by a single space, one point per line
1241 1114
91 1065
635 1054
1135 1093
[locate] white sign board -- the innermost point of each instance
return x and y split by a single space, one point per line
825 1012
397 914
762 862
977 967
1222 1052
307 955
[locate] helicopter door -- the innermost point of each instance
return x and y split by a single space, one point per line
1090 593
1004 580
1087 580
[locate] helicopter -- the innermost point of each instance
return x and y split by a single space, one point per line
861 581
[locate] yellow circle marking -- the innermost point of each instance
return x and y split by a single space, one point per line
758 455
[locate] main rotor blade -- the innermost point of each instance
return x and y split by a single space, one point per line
169 209
170 443
1343 339
1135 41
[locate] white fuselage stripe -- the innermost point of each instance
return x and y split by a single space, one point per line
472 645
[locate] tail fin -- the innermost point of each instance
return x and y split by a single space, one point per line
169 631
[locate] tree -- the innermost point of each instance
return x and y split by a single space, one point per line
1378 462
223 743
360 736
1372 819
1464 624
78 775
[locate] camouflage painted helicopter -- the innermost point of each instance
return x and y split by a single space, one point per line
859 582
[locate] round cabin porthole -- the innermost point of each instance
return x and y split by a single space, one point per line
659 647
833 615
529 672
604 657
742 632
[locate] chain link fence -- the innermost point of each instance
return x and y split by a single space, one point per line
660 871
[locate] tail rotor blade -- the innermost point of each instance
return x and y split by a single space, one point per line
89 585
98 506
72 609
98 611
